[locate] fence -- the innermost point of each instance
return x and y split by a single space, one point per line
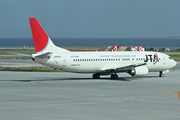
85 48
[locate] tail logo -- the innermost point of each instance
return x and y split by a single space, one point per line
39 35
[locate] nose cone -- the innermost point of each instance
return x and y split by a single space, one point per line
173 64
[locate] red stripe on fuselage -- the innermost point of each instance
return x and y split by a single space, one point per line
156 58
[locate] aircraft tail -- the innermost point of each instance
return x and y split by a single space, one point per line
42 41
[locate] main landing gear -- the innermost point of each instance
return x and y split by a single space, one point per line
161 74
96 76
114 76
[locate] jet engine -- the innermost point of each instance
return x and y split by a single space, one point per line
139 71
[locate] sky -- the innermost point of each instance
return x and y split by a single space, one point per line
94 18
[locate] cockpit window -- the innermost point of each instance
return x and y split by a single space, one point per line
170 58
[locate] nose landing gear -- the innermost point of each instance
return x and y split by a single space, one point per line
161 74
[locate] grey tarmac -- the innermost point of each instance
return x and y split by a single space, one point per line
71 96
19 63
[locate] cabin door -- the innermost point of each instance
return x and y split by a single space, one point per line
64 60
164 60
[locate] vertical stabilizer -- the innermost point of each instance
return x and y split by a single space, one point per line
42 42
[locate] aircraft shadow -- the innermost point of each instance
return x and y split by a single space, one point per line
125 79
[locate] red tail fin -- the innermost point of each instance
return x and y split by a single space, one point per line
39 35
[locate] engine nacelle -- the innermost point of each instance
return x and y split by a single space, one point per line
139 71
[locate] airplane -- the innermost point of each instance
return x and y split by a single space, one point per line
97 63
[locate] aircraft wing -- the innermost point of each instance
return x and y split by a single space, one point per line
121 69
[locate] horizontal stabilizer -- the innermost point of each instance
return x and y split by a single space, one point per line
22 54
47 54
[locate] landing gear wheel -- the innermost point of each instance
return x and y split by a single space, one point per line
96 76
114 76
161 74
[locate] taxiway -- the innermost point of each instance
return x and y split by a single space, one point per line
61 95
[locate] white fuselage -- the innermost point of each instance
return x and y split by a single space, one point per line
94 62
98 63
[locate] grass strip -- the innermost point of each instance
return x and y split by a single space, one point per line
30 69
176 57
15 57
26 51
